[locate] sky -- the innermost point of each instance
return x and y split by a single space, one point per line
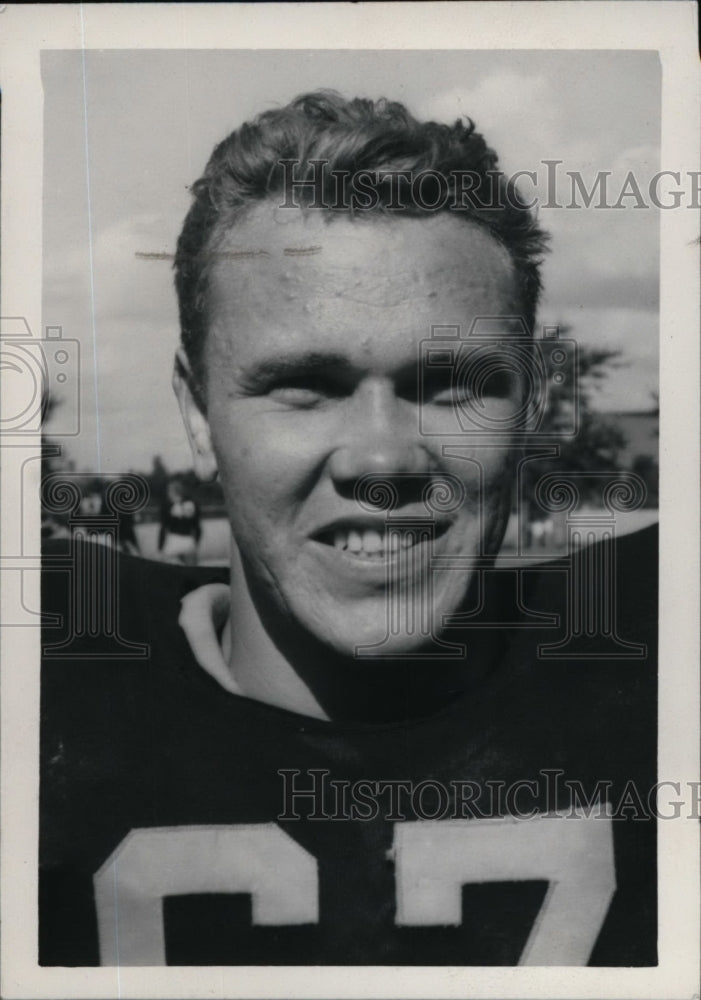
126 133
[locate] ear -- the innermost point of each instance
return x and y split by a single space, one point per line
194 419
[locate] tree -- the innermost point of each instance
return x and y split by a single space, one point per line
596 445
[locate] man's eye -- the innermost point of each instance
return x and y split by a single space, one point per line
442 389
303 391
457 391
295 395
452 395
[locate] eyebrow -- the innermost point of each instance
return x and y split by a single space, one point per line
304 363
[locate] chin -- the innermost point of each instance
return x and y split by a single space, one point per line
405 631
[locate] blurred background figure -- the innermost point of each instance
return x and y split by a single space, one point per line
541 532
93 505
180 530
92 501
127 540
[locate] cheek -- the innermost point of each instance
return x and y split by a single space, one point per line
245 468
262 470
491 469
500 469
499 485
487 478
499 492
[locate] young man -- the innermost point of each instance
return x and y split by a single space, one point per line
365 747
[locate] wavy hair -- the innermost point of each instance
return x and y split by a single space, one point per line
348 136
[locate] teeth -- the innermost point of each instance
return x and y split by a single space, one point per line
370 543
373 542
355 542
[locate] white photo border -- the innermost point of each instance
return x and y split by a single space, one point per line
669 28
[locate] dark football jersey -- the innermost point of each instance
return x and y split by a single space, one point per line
185 825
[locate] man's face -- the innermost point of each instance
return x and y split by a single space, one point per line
312 384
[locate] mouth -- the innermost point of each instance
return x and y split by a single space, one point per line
376 544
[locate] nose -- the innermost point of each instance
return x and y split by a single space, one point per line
381 436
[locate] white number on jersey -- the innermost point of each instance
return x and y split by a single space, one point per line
149 864
433 860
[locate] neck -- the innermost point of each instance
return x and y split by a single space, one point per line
281 664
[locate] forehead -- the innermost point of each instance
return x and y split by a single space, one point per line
285 274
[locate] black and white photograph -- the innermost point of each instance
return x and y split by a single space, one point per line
347 428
